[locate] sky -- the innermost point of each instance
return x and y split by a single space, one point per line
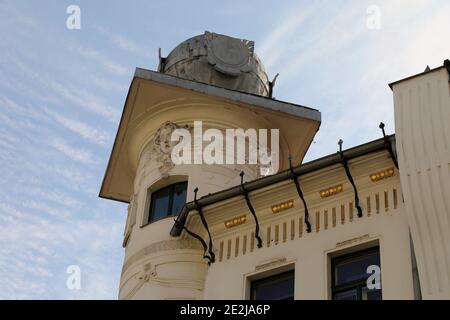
62 92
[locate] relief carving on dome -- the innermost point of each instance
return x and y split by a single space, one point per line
218 60
229 55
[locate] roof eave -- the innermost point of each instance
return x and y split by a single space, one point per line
219 92
446 65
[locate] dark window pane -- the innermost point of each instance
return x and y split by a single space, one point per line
280 287
179 197
350 276
351 294
354 268
167 201
160 204
374 294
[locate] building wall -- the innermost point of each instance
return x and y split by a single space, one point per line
158 266
335 230
422 117
411 204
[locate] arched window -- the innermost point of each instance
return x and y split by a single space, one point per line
167 201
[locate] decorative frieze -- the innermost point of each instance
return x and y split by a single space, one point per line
331 191
235 221
277 232
282 206
377 176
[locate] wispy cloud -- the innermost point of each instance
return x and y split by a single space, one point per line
122 42
86 100
273 46
119 40
43 207
50 113
109 65
86 131
57 197
38 252
291 45
73 174
71 152
329 59
10 17
108 85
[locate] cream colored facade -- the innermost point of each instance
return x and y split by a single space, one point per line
422 114
405 214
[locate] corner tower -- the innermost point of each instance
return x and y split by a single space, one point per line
219 81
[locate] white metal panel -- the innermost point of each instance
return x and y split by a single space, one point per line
422 120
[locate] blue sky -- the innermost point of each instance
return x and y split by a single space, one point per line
62 92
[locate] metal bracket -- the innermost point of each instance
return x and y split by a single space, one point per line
205 248
272 85
350 178
162 61
196 236
447 66
252 210
294 177
198 207
388 145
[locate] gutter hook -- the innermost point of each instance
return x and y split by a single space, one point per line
294 177
252 210
350 178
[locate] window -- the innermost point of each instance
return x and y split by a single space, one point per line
167 201
278 287
350 276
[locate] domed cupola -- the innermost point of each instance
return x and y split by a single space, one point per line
218 60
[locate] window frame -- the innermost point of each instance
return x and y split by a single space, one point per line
271 278
171 188
356 284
